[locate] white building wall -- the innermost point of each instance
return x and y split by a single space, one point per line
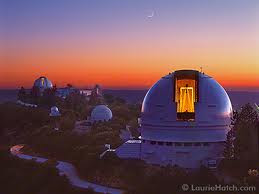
183 156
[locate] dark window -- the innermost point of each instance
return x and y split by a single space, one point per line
160 143
205 144
152 142
169 143
197 144
186 116
187 144
178 144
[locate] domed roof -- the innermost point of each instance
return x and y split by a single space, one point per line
54 111
101 113
186 95
43 83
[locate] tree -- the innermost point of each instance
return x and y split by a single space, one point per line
95 99
35 92
67 121
108 98
77 103
229 150
69 85
34 178
229 145
246 124
49 97
134 128
22 94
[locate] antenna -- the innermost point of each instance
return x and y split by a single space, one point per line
201 69
170 69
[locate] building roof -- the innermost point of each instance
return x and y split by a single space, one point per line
54 111
101 113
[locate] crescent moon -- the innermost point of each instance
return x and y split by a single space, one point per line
151 15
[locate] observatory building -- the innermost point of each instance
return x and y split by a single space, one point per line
184 121
101 113
54 112
42 84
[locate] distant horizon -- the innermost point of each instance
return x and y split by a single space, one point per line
137 89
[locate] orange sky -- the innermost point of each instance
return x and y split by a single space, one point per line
122 48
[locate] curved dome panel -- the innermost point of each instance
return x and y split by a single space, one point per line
101 113
158 96
215 105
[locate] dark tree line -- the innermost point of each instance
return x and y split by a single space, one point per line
26 176
242 139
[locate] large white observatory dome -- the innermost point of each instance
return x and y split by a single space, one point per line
43 83
186 98
101 113
184 121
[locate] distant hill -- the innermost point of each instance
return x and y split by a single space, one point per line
238 98
131 96
8 95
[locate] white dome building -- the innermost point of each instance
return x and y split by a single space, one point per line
42 83
54 112
101 113
185 118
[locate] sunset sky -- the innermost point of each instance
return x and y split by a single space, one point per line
128 43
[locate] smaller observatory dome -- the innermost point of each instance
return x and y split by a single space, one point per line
101 113
43 83
54 111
